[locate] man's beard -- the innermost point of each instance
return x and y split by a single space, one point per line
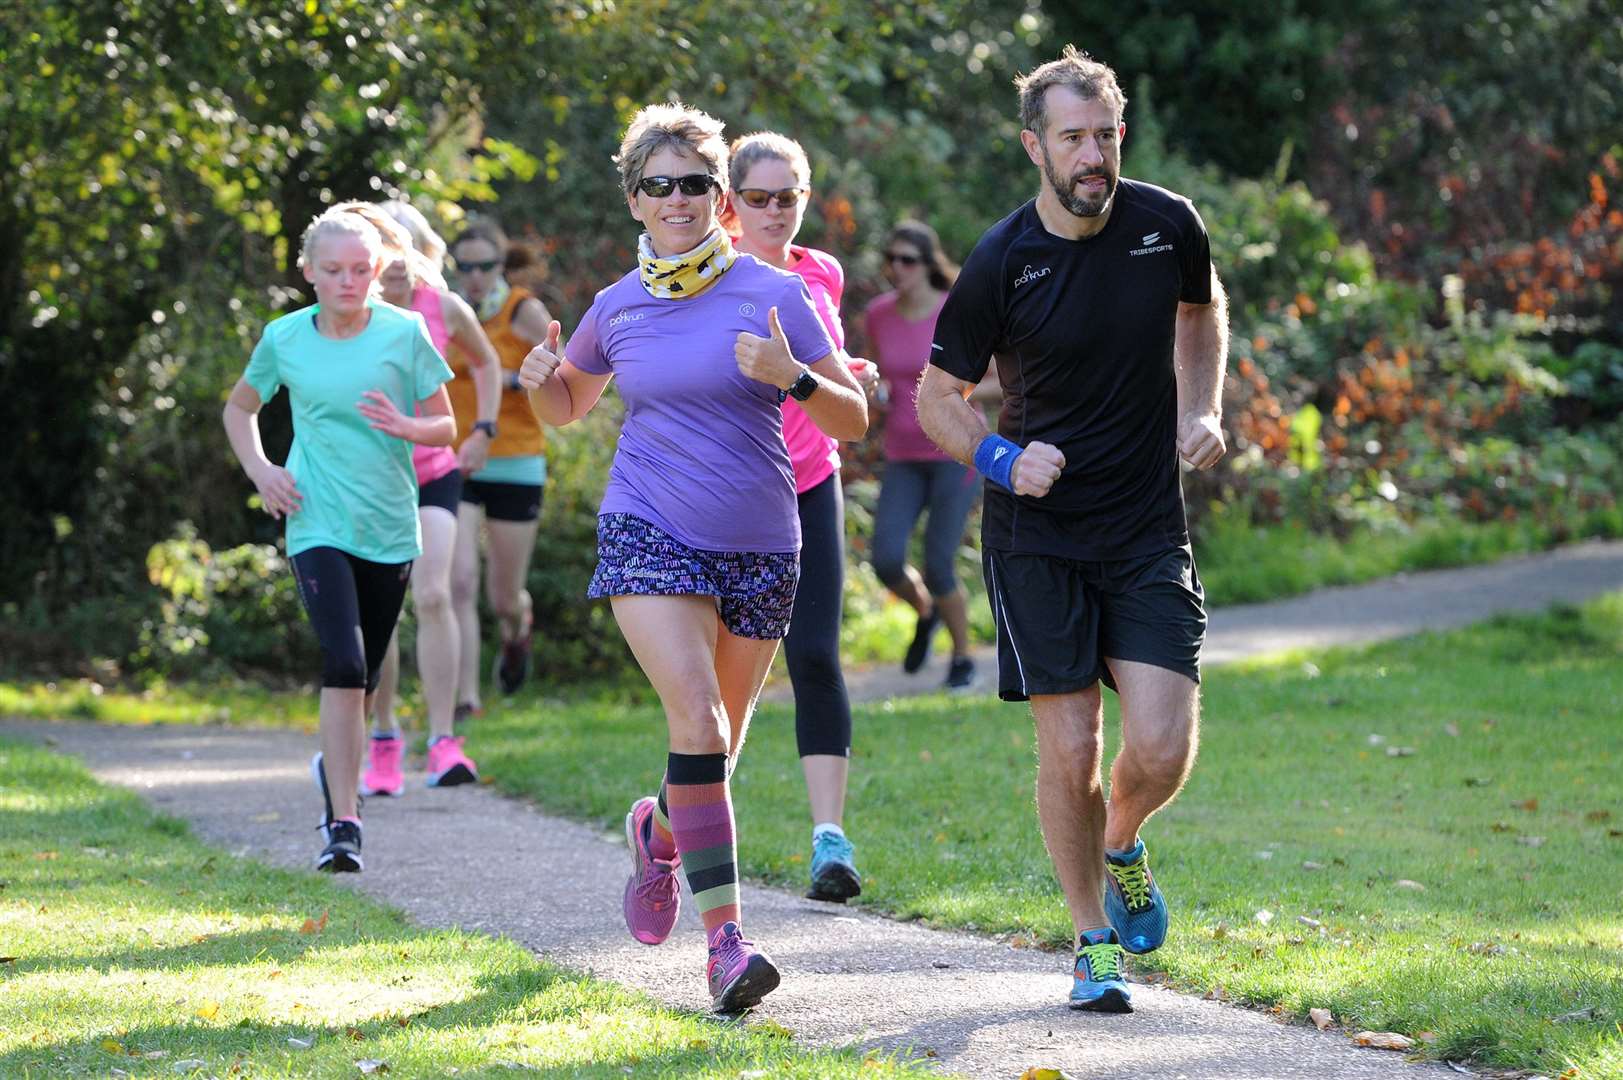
1079 204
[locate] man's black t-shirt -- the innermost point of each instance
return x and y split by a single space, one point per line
1083 333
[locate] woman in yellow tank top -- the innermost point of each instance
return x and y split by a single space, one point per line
505 495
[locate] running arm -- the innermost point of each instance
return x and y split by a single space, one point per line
560 393
277 489
960 430
1200 359
486 368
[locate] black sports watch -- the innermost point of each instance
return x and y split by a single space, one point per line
803 387
486 426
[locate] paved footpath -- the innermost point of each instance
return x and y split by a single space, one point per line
477 860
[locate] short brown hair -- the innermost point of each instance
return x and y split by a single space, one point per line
677 126
749 150
1077 70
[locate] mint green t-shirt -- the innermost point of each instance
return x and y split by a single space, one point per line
359 488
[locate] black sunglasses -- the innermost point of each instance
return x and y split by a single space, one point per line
905 260
759 197
483 267
693 185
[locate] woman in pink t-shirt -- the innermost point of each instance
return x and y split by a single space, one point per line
771 179
411 279
918 476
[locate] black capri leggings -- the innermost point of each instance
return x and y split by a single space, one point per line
812 648
353 605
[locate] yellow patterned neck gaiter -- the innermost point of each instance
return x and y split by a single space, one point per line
684 276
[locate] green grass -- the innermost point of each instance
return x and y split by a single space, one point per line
1515 740
234 704
128 945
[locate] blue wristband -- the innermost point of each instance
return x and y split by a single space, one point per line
994 459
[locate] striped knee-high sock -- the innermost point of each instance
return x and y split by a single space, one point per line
701 812
661 843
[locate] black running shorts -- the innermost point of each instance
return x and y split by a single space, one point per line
504 502
444 493
1058 619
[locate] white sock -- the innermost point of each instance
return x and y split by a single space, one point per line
827 826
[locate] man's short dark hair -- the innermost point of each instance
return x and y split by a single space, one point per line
1088 77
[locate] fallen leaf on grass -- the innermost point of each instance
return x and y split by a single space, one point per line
112 1046
1219 932
1502 826
1264 916
8 959
1321 1018
1452 729
208 1010
155 1055
1427 1037
314 926
1405 883
1530 841
1598 815
355 1034
1400 751
1311 865
368 1066
1384 1040
300 1044
1577 1016
1529 805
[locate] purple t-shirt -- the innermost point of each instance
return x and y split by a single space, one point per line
701 454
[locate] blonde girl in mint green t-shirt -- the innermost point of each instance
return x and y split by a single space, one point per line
356 371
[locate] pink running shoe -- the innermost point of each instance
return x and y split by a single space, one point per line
739 974
448 766
383 775
653 895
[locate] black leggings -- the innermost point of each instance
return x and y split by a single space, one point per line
353 606
812 648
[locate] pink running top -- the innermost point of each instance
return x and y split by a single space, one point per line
814 455
902 348
432 462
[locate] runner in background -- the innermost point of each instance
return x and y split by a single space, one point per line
771 184
501 502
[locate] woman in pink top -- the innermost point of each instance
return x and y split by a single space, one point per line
770 181
411 279
918 476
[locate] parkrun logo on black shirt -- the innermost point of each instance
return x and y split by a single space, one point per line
1030 275
1150 246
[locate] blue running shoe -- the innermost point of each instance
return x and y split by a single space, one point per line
1097 983
1133 903
834 876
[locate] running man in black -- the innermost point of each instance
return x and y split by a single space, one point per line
1099 301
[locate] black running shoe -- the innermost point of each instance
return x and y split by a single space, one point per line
919 651
342 855
343 851
961 675
513 664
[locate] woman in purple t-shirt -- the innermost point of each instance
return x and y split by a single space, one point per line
698 538
918 476
771 180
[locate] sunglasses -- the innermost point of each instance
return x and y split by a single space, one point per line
902 259
484 267
759 197
693 185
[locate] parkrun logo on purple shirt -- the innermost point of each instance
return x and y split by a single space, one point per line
626 316
1030 275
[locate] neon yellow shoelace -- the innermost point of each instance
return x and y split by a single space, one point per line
1104 960
1134 879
